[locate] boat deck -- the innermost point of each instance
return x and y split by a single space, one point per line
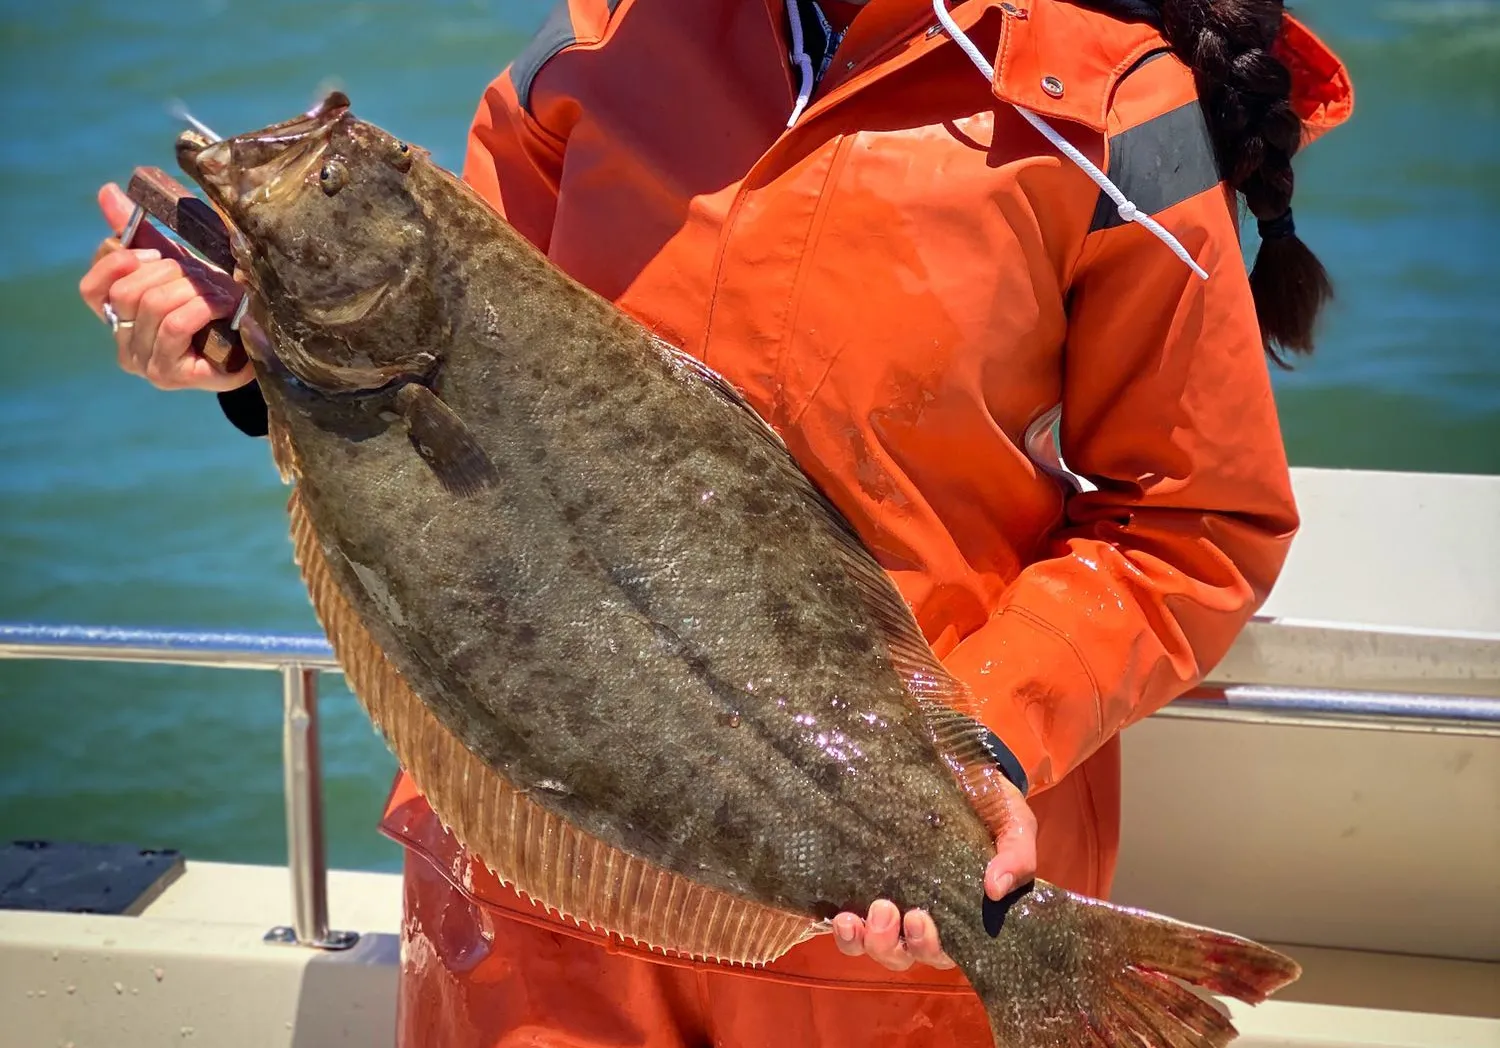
194 968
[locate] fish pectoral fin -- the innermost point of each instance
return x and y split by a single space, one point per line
445 443
350 310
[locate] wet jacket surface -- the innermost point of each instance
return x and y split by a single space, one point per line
905 283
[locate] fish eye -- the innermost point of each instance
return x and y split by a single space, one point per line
402 147
333 176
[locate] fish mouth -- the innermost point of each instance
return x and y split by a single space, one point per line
260 166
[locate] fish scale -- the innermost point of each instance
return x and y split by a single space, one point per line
627 649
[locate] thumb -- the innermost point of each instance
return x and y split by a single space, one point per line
116 206
1015 848
117 209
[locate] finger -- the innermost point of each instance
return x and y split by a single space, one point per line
110 266
174 357
157 363
922 940
195 371
125 294
883 937
849 934
117 209
179 326
106 246
1014 862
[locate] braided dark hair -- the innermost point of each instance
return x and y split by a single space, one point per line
1245 92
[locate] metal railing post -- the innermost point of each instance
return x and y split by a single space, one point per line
303 778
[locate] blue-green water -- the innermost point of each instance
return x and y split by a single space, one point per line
121 504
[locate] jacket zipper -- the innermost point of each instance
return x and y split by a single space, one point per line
846 79
841 90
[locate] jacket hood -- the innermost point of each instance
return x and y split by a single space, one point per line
1322 93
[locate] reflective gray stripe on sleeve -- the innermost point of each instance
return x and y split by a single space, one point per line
556 33
1162 162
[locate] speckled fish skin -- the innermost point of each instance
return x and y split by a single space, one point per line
635 606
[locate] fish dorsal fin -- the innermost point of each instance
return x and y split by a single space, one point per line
693 369
949 709
541 855
947 706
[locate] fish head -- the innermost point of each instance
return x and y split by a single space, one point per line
329 229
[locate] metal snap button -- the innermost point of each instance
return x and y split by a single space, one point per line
1052 86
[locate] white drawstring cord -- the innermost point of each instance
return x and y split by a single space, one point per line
803 60
1128 211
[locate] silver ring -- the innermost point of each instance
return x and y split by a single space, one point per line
115 323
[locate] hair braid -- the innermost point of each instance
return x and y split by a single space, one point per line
1245 91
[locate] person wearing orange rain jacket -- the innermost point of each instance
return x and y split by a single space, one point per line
880 222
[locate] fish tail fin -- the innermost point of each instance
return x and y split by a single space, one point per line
1214 960
1065 971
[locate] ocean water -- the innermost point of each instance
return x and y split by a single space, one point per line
120 504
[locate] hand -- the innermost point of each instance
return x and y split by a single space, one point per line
898 942
163 297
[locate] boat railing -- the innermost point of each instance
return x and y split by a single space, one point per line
1458 693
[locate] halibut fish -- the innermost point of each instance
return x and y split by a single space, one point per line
630 653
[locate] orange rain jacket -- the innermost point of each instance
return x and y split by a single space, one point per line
904 284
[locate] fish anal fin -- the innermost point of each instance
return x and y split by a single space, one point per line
283 451
540 855
442 440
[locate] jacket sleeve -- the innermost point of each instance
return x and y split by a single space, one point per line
1167 408
513 162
